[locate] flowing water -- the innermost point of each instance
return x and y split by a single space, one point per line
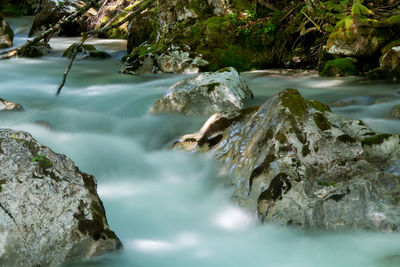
165 205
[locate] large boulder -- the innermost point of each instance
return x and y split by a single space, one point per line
294 162
205 93
6 33
52 11
50 213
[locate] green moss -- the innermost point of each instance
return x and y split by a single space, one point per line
345 138
389 46
339 67
43 161
95 227
327 184
394 20
376 140
319 106
281 138
292 99
211 87
322 122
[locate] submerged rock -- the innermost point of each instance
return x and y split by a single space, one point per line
37 50
205 93
50 213
294 162
6 33
9 106
396 112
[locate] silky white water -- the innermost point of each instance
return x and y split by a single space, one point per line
166 205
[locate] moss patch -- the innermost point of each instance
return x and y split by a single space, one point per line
292 99
339 67
376 140
43 161
319 106
322 122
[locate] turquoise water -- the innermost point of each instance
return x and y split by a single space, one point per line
167 206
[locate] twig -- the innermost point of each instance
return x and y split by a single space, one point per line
105 28
75 51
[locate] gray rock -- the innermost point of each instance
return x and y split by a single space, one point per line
9 106
293 162
50 213
205 93
396 112
6 33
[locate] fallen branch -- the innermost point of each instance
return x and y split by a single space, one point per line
75 50
43 35
103 29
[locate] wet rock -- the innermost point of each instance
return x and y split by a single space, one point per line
150 59
9 106
294 162
50 213
6 33
205 93
85 51
37 50
396 112
351 101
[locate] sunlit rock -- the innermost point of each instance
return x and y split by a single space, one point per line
9 106
294 162
205 93
6 33
50 213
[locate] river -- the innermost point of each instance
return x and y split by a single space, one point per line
166 205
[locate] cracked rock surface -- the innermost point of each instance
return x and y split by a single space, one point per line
50 213
294 162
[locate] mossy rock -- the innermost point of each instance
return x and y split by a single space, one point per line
338 68
38 50
86 50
